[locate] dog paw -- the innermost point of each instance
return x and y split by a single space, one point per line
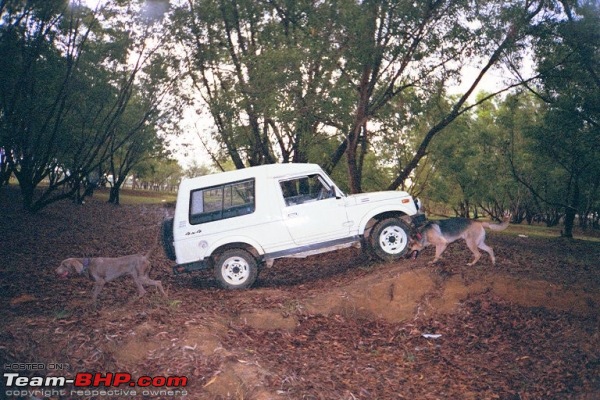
413 255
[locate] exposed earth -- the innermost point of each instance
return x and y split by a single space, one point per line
334 326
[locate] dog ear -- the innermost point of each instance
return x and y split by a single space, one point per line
415 239
75 265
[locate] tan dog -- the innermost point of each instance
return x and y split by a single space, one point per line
103 269
441 233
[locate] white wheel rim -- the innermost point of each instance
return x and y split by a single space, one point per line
393 239
235 270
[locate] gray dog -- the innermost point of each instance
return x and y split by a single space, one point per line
103 269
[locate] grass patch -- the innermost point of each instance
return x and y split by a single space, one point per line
62 314
132 197
542 231
127 196
538 231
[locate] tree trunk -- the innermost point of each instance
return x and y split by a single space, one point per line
115 192
571 212
353 173
569 221
27 191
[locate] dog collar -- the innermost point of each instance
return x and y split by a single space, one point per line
86 264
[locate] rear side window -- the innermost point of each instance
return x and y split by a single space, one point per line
222 202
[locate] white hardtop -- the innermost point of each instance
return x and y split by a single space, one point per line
266 221
264 171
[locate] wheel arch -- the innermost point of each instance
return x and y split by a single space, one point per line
370 220
253 248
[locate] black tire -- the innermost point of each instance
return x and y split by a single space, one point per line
236 269
167 239
389 239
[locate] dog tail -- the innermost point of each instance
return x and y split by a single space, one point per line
154 245
158 236
498 227
149 252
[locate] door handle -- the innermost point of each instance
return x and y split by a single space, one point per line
293 215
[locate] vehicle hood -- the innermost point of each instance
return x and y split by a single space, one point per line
372 197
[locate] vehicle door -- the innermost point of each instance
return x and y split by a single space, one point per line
312 212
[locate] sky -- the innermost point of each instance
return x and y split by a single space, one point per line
91 3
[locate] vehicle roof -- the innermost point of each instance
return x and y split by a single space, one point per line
263 171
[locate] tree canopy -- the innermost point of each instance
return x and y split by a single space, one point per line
78 85
363 88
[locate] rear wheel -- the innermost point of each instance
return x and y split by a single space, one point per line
389 239
236 269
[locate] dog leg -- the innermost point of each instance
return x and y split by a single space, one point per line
138 283
473 244
143 278
477 257
155 283
473 247
439 249
98 285
488 250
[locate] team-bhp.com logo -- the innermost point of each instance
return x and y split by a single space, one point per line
93 384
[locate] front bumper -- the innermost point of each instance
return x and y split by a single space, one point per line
418 220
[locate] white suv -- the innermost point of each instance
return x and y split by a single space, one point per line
238 221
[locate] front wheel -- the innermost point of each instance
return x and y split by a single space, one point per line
389 239
236 269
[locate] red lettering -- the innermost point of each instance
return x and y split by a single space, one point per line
99 379
159 381
121 378
177 381
86 379
144 381
83 379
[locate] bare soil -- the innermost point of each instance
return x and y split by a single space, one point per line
335 326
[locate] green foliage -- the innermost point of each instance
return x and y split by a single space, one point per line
285 80
565 145
196 169
165 173
359 87
73 96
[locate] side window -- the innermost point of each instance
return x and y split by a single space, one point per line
305 189
222 202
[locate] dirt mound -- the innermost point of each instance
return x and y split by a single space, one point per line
329 326
404 295
393 298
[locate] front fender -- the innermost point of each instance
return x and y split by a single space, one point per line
399 211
